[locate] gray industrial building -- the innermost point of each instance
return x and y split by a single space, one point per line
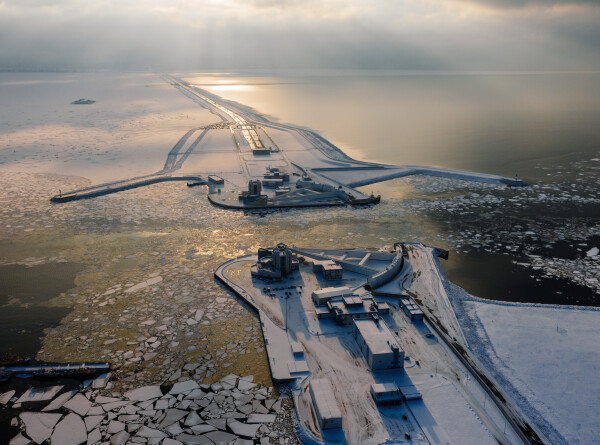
386 394
276 173
329 268
351 307
326 408
214 179
254 193
273 182
378 344
321 296
411 309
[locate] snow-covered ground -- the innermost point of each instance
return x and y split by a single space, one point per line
549 355
453 407
543 357
423 282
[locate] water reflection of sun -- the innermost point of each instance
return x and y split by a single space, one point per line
221 85
226 86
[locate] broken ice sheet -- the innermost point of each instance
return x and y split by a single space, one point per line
70 431
144 393
39 426
39 394
5 397
79 404
59 401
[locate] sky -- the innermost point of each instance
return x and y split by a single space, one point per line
209 35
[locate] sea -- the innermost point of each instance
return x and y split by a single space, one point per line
63 268
512 245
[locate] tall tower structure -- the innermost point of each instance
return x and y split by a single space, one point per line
282 259
254 187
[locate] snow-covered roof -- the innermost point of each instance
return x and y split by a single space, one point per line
382 388
324 399
333 291
352 300
377 335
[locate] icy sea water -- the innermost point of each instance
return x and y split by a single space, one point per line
539 126
24 291
167 234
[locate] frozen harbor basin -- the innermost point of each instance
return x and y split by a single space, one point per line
289 166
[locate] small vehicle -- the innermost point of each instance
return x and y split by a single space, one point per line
429 335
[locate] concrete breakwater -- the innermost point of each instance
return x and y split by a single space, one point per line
362 176
119 186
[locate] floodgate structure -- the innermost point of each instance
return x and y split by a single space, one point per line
372 354
248 162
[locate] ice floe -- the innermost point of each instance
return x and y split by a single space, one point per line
232 409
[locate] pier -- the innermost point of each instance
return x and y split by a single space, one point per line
119 186
360 176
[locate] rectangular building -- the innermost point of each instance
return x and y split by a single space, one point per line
386 394
321 296
214 179
272 182
332 271
411 309
354 307
410 392
329 268
282 191
378 344
326 408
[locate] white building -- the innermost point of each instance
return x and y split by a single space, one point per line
354 307
326 408
321 296
378 344
386 393
411 309
329 268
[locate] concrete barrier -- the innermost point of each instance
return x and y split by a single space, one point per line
379 279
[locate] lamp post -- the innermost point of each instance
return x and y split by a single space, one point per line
286 311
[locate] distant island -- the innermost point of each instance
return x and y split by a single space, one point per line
83 102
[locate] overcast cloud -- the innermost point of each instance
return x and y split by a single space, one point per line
300 34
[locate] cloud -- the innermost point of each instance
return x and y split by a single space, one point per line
295 34
521 4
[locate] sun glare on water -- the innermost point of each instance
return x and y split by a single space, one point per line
230 85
